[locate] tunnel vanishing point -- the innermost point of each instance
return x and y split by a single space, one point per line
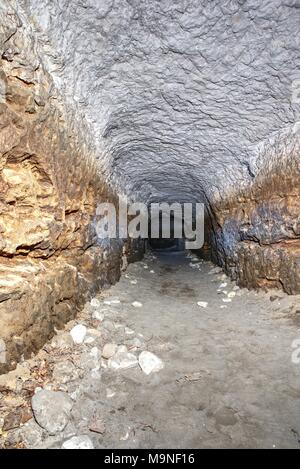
161 101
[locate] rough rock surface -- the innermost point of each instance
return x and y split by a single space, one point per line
50 256
52 410
150 363
192 101
230 377
164 100
78 442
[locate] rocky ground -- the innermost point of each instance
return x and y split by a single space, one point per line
174 355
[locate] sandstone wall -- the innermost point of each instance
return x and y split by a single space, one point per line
191 101
50 257
254 232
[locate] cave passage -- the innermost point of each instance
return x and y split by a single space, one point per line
174 355
135 341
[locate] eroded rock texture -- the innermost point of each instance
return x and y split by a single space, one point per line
181 100
50 257
192 101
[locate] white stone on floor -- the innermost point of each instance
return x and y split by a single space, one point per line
231 294
78 442
202 304
78 333
95 303
109 350
122 360
150 363
114 301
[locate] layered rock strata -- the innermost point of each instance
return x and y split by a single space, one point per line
50 257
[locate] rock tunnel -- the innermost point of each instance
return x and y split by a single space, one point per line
182 101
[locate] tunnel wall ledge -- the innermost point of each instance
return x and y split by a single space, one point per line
254 232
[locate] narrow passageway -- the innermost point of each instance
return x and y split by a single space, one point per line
227 379
130 130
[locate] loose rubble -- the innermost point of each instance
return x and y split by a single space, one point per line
150 363
122 384
202 304
52 410
122 359
78 333
109 350
78 442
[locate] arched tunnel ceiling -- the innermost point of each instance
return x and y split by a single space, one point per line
179 93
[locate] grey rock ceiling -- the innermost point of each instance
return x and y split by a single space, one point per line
180 95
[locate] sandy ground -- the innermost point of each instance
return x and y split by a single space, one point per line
228 380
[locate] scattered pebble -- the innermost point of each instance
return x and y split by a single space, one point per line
226 300
78 333
122 360
150 363
78 442
231 294
129 331
95 303
137 304
202 304
89 340
115 301
109 350
52 410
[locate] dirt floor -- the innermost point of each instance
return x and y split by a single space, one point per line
229 378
